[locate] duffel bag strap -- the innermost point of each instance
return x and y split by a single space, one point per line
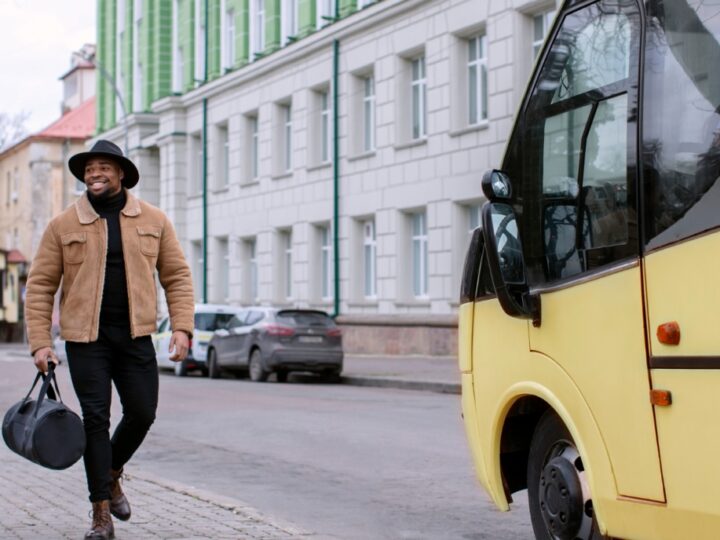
46 385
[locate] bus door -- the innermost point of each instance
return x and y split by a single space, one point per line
574 162
681 166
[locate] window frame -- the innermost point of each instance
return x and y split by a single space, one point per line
418 98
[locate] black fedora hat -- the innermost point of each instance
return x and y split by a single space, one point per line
107 149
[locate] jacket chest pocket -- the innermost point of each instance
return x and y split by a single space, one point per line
74 246
149 240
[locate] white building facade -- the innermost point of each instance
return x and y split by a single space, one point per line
341 171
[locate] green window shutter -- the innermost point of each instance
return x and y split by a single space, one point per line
307 17
214 29
272 25
161 53
347 7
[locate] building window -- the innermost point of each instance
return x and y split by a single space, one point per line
228 39
16 186
178 66
289 20
119 72
474 217
252 148
369 260
8 191
325 127
252 270
223 163
286 251
477 80
286 111
223 271
419 255
365 3
541 26
257 28
326 262
325 12
369 113
137 64
199 40
196 164
418 98
197 266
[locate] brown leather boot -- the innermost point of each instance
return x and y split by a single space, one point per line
119 505
102 525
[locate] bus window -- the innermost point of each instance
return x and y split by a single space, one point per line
575 146
681 128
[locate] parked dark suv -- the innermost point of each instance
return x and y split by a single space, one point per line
261 341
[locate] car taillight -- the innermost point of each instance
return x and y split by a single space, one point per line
278 330
334 332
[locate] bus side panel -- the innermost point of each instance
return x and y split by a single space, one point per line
681 286
689 436
595 331
498 343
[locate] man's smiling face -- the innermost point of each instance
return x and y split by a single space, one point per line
103 178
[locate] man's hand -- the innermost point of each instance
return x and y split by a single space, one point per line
41 358
181 343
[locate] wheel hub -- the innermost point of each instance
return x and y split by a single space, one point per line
561 498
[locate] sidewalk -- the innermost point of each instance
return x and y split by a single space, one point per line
41 504
428 373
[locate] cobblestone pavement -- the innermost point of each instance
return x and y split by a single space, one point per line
51 505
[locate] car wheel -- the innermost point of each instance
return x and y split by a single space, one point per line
558 493
212 365
281 376
180 368
258 373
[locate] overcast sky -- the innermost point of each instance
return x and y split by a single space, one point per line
36 41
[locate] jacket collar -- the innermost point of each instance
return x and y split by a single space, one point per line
87 214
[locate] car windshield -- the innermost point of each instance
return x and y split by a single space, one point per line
212 321
304 318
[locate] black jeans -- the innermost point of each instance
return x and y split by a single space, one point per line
132 366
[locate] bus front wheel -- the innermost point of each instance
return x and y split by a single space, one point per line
559 496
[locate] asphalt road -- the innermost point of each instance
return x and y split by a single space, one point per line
341 461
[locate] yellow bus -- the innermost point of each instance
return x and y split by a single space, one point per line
589 321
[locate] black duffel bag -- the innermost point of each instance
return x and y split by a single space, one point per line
45 430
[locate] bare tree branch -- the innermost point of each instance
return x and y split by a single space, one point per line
12 128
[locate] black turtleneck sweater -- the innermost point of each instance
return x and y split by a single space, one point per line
114 309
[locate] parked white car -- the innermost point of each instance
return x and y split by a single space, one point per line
208 318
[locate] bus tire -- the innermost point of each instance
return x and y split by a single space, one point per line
558 493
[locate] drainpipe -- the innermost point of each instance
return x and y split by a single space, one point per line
204 199
336 174
204 163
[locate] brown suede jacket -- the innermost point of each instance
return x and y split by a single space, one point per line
74 248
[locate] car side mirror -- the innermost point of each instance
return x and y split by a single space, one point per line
507 262
221 332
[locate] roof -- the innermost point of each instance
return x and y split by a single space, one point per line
78 123
15 257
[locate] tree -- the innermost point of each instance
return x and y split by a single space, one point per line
12 128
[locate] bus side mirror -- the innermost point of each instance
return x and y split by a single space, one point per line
507 263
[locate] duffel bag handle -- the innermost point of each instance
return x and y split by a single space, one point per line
47 387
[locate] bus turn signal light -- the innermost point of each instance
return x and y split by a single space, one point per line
669 333
661 398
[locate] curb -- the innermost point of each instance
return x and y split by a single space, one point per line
378 382
233 505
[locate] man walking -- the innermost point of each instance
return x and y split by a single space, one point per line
106 249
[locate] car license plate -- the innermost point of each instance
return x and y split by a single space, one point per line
310 339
